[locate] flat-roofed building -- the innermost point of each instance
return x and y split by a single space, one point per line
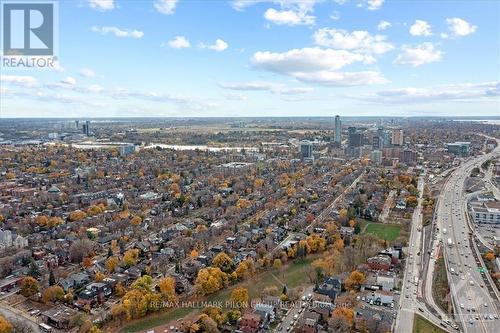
487 212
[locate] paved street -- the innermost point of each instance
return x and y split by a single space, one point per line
475 304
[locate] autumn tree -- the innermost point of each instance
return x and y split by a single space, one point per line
194 254
77 215
111 264
490 256
240 298
136 220
130 257
5 325
52 294
342 319
29 286
210 280
223 261
355 280
167 289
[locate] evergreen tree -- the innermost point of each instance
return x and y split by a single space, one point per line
52 278
33 270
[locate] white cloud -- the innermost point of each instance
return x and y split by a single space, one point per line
235 97
331 78
460 27
291 12
456 92
166 7
179 42
118 32
218 46
374 4
382 25
95 88
316 65
335 15
20 80
295 90
288 17
420 28
418 55
69 81
304 60
274 88
87 72
361 41
102 5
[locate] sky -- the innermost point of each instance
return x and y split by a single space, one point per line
244 58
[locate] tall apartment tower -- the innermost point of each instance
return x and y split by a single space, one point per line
338 129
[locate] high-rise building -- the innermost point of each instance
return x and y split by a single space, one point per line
458 148
338 130
86 128
355 138
376 156
397 138
409 157
77 124
306 149
126 149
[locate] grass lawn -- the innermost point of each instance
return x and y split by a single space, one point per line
422 325
388 232
293 275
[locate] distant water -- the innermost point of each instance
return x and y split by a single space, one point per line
199 147
485 121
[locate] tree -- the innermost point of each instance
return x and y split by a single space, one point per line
210 280
277 264
136 220
52 278
490 256
355 280
194 254
55 221
52 294
130 257
42 220
214 313
240 298
99 277
5 326
143 283
29 286
77 215
119 289
167 289
344 317
111 264
223 261
80 249
33 269
87 262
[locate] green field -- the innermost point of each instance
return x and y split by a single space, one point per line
388 232
422 325
293 275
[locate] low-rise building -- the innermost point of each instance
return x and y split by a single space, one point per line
487 212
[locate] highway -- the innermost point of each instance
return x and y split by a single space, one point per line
411 291
474 300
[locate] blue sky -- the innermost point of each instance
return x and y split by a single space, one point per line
265 58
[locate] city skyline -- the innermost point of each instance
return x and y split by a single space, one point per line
265 58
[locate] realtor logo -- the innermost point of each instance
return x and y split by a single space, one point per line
28 29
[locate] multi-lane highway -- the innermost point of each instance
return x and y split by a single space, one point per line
474 300
412 292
